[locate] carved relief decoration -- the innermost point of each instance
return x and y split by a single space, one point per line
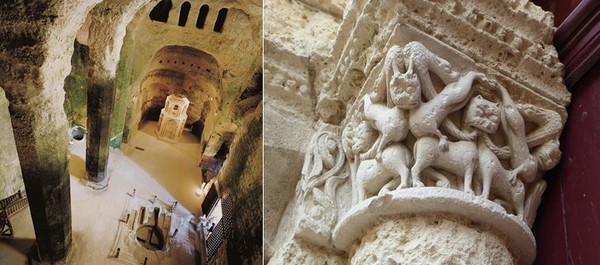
416 123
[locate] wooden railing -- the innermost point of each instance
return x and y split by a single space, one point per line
16 206
10 199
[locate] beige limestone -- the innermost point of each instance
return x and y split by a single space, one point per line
430 240
299 252
298 38
35 59
439 107
11 180
172 118
212 77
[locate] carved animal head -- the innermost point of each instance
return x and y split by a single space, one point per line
404 89
483 115
364 135
429 61
548 154
443 69
528 109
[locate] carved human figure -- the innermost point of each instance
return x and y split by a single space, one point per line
357 138
513 126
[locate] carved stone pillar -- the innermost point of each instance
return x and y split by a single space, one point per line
436 127
105 47
101 96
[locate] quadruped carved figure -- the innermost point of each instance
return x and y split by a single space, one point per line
382 176
404 102
404 88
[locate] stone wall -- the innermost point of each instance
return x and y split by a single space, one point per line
237 50
298 38
11 180
241 178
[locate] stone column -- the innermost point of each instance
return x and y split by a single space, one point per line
40 129
106 34
430 240
431 225
100 94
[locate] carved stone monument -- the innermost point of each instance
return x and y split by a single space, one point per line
172 118
435 128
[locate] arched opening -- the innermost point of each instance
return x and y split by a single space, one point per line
199 84
220 20
174 113
161 11
183 14
202 16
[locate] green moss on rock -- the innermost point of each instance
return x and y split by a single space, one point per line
75 87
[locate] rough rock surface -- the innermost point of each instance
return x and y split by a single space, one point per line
300 252
298 38
10 171
35 54
237 50
430 240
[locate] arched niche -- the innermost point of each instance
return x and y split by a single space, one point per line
160 12
220 22
202 16
183 14
182 70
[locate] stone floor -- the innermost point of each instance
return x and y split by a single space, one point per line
168 171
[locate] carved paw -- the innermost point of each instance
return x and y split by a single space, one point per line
417 183
383 192
403 185
469 191
513 180
471 136
443 144
376 97
378 157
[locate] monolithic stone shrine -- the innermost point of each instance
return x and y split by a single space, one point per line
144 85
419 131
172 118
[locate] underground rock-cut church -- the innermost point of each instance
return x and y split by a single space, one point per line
429 132
396 132
131 132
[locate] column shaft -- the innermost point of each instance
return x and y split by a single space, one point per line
41 138
101 94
